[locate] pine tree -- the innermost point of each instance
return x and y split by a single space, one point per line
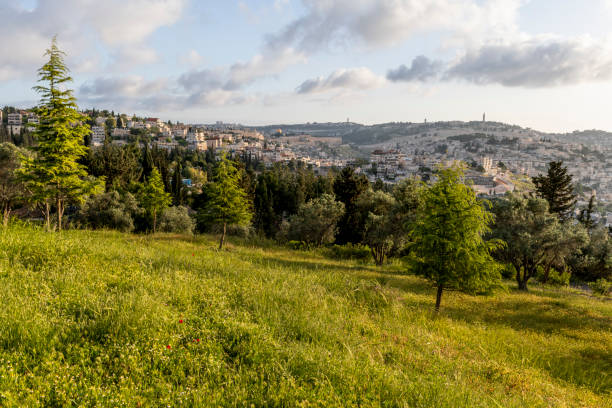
54 174
556 188
227 202
449 246
153 197
586 215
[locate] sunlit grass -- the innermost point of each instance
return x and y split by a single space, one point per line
86 319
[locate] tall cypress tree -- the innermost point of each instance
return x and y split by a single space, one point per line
177 184
556 188
586 214
348 186
55 174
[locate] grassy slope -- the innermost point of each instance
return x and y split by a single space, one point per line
86 318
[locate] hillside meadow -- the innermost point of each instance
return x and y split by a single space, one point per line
110 319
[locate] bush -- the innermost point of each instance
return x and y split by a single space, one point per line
554 277
109 210
298 245
176 219
349 251
601 287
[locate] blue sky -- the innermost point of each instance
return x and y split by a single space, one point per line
545 64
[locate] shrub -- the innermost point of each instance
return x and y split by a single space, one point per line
554 277
601 287
351 251
298 245
177 219
109 210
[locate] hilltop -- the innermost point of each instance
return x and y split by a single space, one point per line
394 132
110 319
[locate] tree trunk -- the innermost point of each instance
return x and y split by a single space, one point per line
47 216
522 280
439 297
6 215
154 221
546 273
223 236
60 213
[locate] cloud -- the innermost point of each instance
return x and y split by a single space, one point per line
240 74
422 69
538 62
376 23
351 79
192 59
120 27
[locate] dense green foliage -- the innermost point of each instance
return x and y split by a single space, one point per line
227 201
94 319
153 197
556 187
316 221
449 247
12 190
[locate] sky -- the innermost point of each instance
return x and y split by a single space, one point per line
544 64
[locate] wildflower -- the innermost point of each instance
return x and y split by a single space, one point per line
168 347
197 340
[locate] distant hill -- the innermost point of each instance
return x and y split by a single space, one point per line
383 133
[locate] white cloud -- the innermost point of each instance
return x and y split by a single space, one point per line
192 59
347 79
121 26
121 23
537 62
377 23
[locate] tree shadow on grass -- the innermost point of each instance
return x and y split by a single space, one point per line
300 264
539 314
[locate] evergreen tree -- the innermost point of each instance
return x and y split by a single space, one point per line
586 214
347 188
449 246
177 184
227 202
147 162
153 197
556 188
54 174
12 191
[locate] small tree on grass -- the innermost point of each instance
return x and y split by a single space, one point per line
153 197
54 174
227 201
448 238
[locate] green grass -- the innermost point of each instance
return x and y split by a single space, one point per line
86 318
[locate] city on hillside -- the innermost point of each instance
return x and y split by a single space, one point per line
500 157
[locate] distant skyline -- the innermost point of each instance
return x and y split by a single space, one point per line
544 64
